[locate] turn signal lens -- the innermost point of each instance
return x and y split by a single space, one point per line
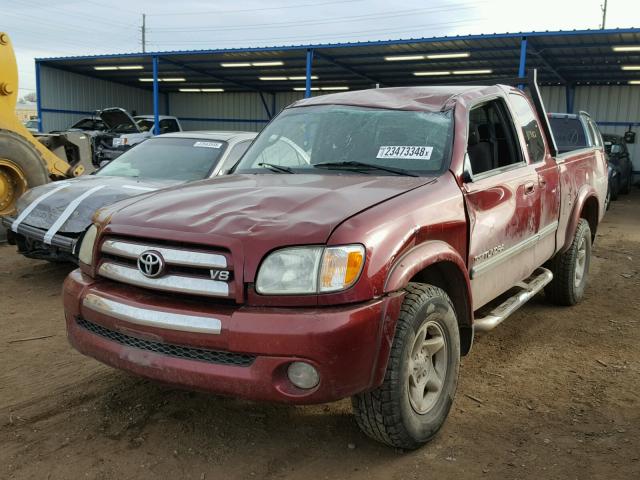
86 248
341 267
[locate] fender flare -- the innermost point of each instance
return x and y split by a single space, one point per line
420 257
584 194
403 270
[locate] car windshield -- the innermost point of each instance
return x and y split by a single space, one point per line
569 133
183 159
144 124
89 124
357 139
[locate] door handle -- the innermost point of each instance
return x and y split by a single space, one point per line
529 188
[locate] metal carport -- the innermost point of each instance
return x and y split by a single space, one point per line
242 88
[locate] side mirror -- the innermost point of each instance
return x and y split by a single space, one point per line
616 149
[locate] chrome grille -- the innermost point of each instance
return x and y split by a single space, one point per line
178 351
187 271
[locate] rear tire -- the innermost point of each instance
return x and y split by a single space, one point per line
21 166
571 268
412 403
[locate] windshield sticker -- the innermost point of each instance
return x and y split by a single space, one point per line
207 144
405 151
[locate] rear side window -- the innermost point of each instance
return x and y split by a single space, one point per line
168 125
530 127
569 133
595 133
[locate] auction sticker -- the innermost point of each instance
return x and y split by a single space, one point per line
405 151
207 144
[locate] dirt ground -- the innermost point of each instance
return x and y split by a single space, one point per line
552 393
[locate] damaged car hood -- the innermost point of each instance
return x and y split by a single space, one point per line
48 203
297 209
114 117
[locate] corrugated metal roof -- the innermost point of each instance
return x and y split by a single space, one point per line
562 57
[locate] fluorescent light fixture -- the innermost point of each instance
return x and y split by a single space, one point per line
267 64
302 89
203 90
121 67
275 63
435 56
630 67
325 89
634 82
403 58
164 79
472 72
626 48
431 74
301 77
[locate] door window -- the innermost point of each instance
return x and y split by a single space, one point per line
492 143
530 128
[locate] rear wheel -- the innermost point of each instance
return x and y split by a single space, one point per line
21 167
412 403
571 268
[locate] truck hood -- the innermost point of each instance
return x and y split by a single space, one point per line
260 209
100 191
113 117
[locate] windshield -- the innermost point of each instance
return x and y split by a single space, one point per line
569 133
89 124
300 139
183 159
144 124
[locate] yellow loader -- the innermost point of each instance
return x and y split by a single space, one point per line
27 160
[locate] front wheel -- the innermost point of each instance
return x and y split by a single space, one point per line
412 403
571 268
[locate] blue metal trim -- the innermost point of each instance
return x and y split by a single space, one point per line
570 93
309 65
236 120
523 60
559 33
38 97
619 124
156 95
70 112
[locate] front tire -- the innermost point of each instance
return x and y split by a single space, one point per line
571 268
412 403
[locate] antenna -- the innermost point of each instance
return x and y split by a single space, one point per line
604 14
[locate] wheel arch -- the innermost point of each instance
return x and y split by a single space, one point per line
588 207
439 264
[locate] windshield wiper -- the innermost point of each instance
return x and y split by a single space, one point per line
276 168
354 165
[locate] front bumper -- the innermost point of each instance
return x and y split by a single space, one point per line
31 242
227 349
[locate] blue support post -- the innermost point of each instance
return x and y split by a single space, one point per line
522 68
307 85
156 97
38 97
570 93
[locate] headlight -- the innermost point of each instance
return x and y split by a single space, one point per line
308 270
86 248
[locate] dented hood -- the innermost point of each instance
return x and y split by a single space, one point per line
47 203
264 208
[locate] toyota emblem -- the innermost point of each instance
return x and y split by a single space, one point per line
151 264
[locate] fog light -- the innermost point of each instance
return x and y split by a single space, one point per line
303 375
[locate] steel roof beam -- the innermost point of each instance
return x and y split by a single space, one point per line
546 64
211 75
348 68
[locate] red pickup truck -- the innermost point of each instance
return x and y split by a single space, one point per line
362 240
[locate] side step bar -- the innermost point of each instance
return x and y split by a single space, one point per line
529 288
